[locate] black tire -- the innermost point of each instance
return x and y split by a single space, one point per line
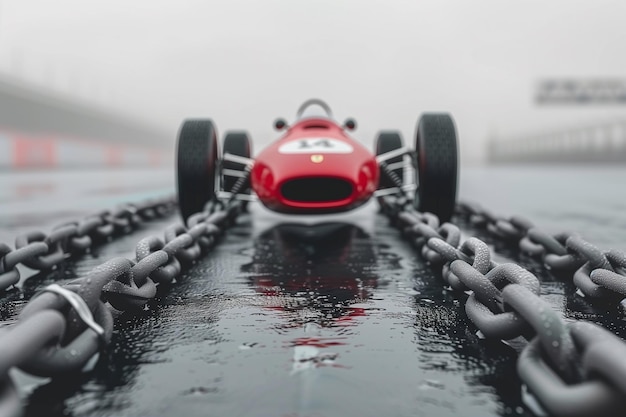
386 142
197 153
236 143
437 165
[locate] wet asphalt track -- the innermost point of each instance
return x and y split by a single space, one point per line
284 320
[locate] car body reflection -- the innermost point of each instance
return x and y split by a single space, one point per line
315 272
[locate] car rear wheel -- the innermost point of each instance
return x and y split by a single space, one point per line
386 142
236 143
437 165
197 153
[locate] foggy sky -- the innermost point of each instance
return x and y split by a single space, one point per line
245 62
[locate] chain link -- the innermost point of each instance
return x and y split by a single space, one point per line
191 251
485 305
170 269
9 259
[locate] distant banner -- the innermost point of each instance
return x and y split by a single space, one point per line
581 91
28 151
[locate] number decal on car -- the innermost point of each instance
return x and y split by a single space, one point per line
315 145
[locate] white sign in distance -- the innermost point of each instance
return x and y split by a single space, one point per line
319 145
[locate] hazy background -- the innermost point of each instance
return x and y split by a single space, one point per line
245 62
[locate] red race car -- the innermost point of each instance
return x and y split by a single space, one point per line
316 167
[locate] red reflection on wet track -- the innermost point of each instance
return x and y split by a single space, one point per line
318 342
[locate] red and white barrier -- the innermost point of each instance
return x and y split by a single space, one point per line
23 151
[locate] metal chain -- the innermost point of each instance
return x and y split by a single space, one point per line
63 329
40 251
599 276
572 369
